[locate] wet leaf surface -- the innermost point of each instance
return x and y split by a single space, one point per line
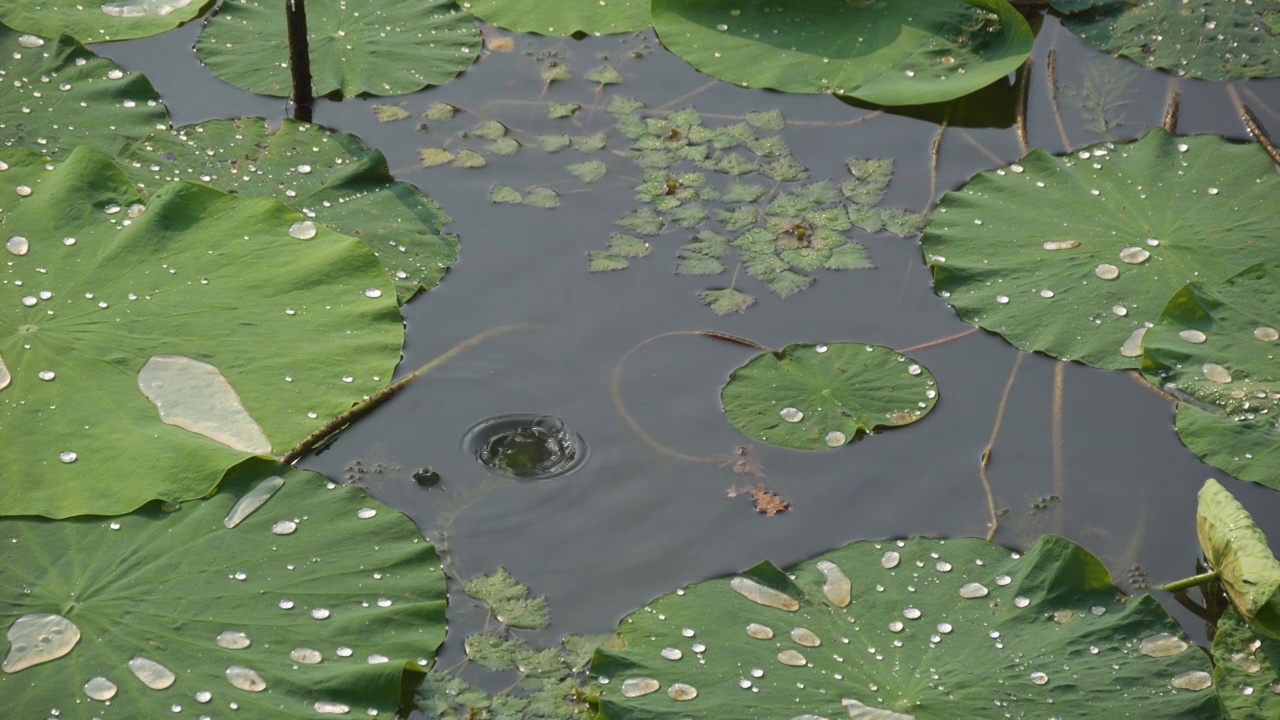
563 17
1246 670
1236 548
93 22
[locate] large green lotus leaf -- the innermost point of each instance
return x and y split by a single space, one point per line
1215 345
256 326
325 595
915 629
563 17
327 175
1075 255
93 22
1237 550
817 397
1208 39
58 95
1246 670
893 52
378 47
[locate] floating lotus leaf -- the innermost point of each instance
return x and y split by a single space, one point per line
1246 670
60 95
318 600
563 17
1206 39
378 47
92 22
1236 548
1215 346
816 397
1075 255
914 629
204 291
329 176
904 52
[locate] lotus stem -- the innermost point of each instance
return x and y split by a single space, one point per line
295 18
1171 109
1193 581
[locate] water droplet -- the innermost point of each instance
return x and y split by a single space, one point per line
1182 147
1193 336
1046 293
100 688
1119 310
1134 255
67 456
836 585
284 527
791 414
1107 271
635 687
1002 299
22 190
46 375
68 241
1162 645
194 395
890 560
330 708
1039 678
1132 346
151 673
911 613
973 590
945 628
232 640
835 438
303 230
384 602
320 613
1216 373
792 658
30 300
286 604
805 637
1061 244
365 513
343 651
671 653
1003 580
32 41
1212 191
1192 680
682 691
757 672
1021 601
304 169
820 348
1247 661
245 679
698 647
722 27
1266 334
687 632
942 566
913 369
372 292
377 659
259 494
760 632
17 245
761 595
896 626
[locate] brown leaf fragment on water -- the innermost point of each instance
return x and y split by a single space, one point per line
764 500
496 42
744 462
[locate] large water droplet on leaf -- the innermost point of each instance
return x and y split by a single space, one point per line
34 639
141 8
193 395
151 673
258 495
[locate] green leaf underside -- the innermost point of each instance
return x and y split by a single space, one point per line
164 586
508 600
838 390
1247 670
196 260
347 186
1055 639
589 171
92 22
1215 346
1198 38
1236 548
600 261
503 194
117 106
1205 208
389 113
379 47
564 17
726 300
895 53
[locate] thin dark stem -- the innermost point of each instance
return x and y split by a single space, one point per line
295 17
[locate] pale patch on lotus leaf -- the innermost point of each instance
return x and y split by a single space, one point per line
139 8
5 377
194 395
35 639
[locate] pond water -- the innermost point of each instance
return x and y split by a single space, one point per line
633 523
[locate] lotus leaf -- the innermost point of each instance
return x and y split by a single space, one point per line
328 176
1206 39
1237 550
378 47
1075 255
320 599
1215 346
203 291
92 22
905 52
1246 670
817 397
916 628
61 95
563 17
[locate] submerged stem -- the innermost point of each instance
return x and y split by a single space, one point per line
295 18
1193 581
369 404
991 443
1059 467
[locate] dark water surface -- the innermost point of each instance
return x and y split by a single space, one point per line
632 523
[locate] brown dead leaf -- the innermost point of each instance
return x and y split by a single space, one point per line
764 500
